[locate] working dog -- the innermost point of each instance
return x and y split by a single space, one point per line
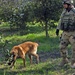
21 50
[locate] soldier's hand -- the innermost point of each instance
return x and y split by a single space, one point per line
57 32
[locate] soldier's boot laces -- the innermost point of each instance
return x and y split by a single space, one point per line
64 62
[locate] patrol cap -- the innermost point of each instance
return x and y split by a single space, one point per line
68 2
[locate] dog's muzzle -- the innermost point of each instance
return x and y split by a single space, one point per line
10 60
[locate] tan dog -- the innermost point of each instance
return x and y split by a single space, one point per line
21 50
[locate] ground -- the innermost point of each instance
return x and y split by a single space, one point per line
44 56
48 66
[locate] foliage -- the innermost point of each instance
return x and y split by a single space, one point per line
18 12
3 49
46 10
16 15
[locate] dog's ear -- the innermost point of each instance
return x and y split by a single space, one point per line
17 50
20 50
14 50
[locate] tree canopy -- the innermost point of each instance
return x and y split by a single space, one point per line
19 12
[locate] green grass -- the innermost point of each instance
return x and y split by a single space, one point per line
50 67
47 65
45 44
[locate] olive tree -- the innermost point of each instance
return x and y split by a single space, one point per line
46 10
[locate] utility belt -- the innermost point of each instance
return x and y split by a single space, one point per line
68 27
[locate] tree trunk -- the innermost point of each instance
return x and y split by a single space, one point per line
46 29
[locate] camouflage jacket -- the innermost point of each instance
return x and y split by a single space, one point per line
65 16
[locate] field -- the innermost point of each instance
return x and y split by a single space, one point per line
48 51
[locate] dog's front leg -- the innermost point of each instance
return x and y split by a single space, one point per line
24 60
12 65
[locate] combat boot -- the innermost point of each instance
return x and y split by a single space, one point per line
63 62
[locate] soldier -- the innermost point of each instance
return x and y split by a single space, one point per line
67 25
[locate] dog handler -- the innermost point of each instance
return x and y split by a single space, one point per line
67 25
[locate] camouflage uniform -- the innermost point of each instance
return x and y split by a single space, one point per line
67 25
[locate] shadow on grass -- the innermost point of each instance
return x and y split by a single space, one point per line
33 29
50 68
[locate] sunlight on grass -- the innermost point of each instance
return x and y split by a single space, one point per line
46 45
4 24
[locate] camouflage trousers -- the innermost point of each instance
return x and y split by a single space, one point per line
66 39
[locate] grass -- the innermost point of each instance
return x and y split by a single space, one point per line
50 67
47 48
46 44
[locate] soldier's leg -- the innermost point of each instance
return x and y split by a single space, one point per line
72 41
64 53
63 50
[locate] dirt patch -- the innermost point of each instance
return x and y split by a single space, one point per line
46 55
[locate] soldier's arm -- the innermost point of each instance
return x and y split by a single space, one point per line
60 20
59 24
